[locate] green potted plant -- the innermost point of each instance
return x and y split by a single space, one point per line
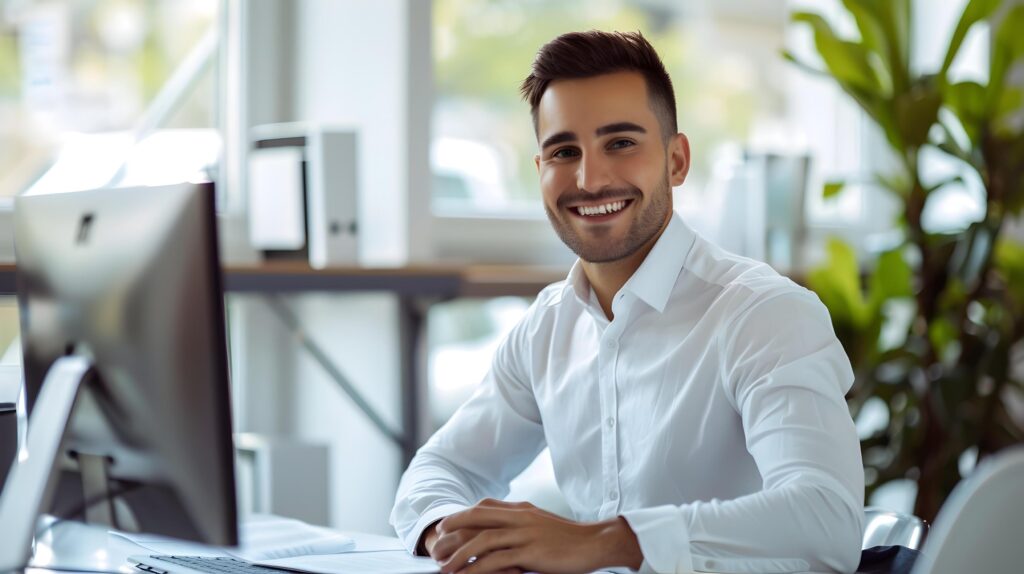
932 326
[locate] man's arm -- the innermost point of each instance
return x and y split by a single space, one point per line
787 376
488 441
496 536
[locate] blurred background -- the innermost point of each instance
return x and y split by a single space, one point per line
786 169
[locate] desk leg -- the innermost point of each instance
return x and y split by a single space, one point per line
411 317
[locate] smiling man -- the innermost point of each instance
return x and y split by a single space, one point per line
692 400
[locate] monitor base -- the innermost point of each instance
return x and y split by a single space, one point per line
26 495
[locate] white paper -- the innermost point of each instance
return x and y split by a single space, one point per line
387 562
268 539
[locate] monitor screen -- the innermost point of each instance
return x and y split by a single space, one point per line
129 279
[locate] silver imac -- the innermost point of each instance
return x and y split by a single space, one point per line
126 369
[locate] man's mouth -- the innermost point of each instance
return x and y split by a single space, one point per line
602 211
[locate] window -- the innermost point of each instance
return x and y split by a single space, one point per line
722 56
70 71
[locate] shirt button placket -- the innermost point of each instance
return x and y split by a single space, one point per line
610 353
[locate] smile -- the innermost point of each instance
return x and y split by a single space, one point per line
601 210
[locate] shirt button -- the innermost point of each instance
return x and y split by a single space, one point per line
611 422
614 495
611 345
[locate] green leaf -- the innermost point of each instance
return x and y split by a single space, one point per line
1009 260
975 11
1007 112
950 145
869 22
1007 46
968 101
897 183
789 56
869 15
916 113
891 279
832 189
895 21
837 283
954 295
941 332
847 61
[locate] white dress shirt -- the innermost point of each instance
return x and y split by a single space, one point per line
709 413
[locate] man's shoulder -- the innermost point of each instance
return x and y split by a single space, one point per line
741 283
552 294
544 306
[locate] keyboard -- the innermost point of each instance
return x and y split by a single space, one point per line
213 565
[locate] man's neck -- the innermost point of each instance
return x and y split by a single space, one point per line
606 279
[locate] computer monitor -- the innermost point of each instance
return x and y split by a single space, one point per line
126 369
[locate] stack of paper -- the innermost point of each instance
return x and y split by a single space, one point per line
383 562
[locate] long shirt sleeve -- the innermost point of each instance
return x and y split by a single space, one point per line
786 374
485 444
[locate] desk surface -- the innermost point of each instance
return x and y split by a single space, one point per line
72 546
444 281
76 546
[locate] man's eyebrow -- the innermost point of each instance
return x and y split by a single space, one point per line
560 137
619 127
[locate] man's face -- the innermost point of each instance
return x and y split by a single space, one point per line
605 174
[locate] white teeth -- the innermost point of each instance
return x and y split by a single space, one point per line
601 209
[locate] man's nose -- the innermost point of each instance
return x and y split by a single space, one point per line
593 173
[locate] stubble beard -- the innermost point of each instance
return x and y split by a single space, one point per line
645 227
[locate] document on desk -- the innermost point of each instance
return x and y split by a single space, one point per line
384 562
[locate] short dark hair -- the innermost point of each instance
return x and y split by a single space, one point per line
594 53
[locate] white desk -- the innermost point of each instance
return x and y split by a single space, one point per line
76 546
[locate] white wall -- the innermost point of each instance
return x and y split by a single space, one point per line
366 66
359 333
280 390
369 67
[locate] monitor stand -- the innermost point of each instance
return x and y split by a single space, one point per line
29 487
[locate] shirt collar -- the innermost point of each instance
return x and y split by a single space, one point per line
654 280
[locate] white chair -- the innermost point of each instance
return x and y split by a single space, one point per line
980 528
888 528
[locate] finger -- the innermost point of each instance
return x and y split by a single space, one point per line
481 545
494 503
480 517
497 561
450 542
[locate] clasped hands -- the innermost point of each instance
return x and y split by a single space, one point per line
496 537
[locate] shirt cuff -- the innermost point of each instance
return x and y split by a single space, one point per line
429 517
664 539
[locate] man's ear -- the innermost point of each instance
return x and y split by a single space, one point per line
536 162
678 159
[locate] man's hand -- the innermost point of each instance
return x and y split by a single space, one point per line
510 537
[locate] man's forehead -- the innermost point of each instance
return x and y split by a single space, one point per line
581 105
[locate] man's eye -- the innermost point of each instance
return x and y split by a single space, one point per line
620 144
564 153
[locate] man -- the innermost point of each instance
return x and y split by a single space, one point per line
692 400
